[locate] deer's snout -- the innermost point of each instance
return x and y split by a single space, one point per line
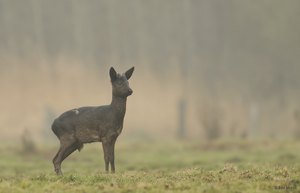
130 91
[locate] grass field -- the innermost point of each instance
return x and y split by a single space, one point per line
152 166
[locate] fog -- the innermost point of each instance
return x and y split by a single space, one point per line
204 69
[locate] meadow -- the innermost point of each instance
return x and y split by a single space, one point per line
260 166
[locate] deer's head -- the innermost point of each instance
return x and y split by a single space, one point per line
120 84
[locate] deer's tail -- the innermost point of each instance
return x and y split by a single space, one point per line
55 129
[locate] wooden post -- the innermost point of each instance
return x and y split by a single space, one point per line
181 133
185 62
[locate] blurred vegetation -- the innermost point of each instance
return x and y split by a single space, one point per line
239 57
27 142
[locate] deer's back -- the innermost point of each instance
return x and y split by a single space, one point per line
82 122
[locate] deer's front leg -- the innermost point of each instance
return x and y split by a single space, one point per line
112 156
109 154
105 146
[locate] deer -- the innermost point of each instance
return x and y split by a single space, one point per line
91 124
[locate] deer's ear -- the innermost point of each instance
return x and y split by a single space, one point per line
129 72
112 74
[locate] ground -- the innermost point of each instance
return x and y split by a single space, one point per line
153 166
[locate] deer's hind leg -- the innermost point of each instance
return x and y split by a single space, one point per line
67 146
56 162
69 150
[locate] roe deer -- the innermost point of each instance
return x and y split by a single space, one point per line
94 124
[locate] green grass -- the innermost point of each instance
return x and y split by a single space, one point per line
152 166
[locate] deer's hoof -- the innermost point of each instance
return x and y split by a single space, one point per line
58 172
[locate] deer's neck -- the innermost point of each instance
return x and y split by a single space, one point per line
118 105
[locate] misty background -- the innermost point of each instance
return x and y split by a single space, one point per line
204 69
